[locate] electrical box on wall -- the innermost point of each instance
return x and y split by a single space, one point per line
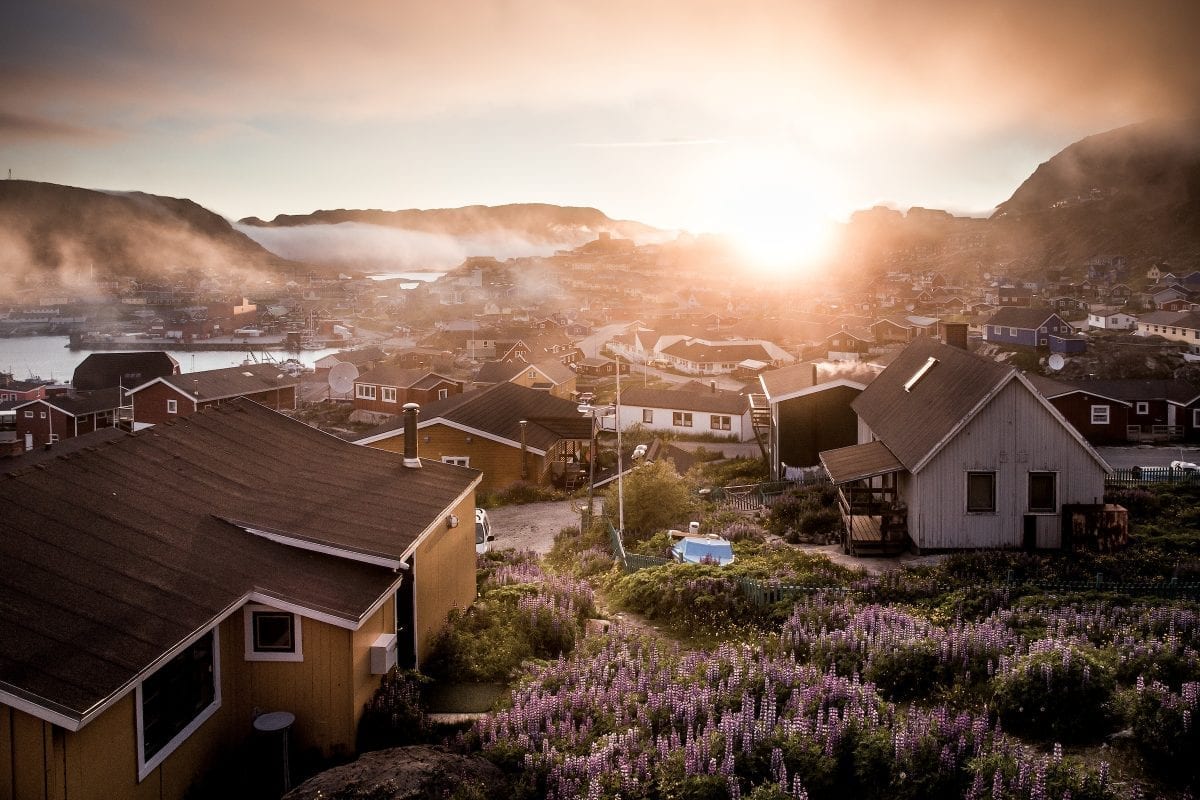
383 653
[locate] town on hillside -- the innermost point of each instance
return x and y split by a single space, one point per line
297 540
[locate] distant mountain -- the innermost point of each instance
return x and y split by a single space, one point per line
1133 191
540 223
79 233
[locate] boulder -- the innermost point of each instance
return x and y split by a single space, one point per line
404 773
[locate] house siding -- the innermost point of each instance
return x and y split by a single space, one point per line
150 404
500 463
326 692
1012 436
739 424
806 425
441 583
1077 409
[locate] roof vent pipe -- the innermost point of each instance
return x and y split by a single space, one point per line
410 436
524 448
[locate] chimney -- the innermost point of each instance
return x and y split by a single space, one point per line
411 410
712 385
955 334
814 375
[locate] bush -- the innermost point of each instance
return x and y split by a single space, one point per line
1057 691
1167 730
393 716
905 673
806 513
519 493
656 499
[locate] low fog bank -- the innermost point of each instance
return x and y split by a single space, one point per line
366 246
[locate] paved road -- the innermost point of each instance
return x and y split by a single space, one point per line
533 526
1148 455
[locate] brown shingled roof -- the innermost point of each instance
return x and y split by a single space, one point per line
112 556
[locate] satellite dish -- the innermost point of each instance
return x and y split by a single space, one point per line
341 377
1056 362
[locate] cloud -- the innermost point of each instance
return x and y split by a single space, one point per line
17 127
917 64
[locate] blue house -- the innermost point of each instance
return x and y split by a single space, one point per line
1025 327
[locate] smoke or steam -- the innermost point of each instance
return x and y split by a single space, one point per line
376 247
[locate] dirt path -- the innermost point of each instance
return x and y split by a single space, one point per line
533 526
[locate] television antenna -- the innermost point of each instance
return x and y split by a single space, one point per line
1056 362
341 377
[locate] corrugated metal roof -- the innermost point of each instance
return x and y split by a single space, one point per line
914 422
720 401
858 461
215 384
112 556
787 382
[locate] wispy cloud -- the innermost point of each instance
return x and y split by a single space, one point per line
653 143
19 127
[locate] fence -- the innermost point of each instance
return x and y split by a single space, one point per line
755 496
766 593
1141 476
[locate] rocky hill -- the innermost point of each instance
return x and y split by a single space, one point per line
1134 191
79 233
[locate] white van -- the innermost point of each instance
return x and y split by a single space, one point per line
483 531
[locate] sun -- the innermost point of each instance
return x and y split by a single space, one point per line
776 205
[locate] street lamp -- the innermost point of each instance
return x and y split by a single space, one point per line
596 413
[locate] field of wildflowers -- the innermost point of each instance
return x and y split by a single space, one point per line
967 680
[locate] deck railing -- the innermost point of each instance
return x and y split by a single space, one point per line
1141 476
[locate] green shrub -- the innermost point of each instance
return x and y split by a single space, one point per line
1166 728
1058 691
908 672
656 499
393 716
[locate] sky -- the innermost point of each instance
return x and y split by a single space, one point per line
764 118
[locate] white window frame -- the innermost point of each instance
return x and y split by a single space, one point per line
253 654
1142 407
145 768
364 391
1196 417
172 406
28 415
458 461
387 394
443 394
1012 331
1101 415
647 416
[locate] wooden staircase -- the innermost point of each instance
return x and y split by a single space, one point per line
760 421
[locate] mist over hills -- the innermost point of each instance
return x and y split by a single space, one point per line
438 238
81 234
1133 191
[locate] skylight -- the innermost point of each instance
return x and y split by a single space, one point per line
920 373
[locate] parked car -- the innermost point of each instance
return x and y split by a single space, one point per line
708 549
483 531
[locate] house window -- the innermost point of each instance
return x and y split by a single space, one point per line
720 422
443 394
42 414
647 415
176 700
387 394
981 492
28 415
1012 331
458 461
532 373
1043 491
681 419
1196 417
272 635
1100 415
364 391
1142 408
172 406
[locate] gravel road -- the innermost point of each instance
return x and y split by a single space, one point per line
533 526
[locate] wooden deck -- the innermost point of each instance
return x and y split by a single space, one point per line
872 528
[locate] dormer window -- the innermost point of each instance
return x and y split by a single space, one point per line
920 373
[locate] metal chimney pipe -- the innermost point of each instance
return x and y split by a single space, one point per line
411 410
524 460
